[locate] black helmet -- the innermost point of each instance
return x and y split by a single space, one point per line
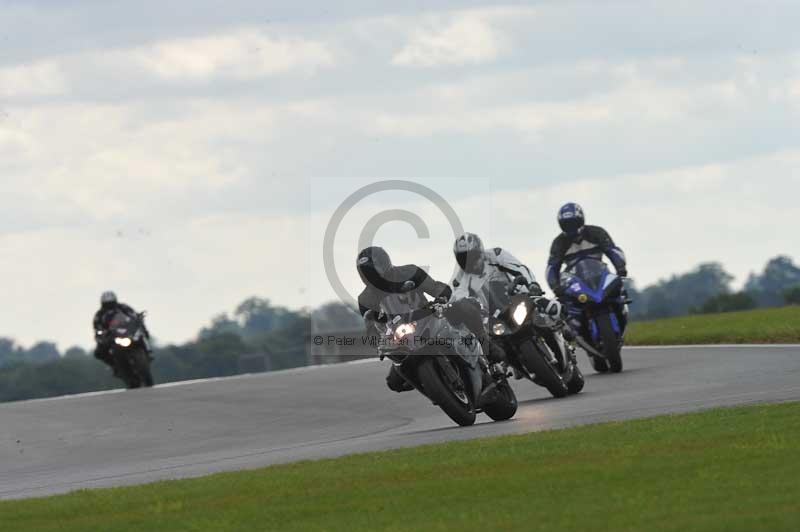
469 252
373 263
108 298
571 219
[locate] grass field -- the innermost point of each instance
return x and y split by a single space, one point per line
763 326
729 469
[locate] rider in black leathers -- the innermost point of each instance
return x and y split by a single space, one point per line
382 279
109 306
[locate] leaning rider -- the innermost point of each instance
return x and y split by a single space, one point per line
383 279
477 265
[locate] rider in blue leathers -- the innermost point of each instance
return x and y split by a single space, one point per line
579 241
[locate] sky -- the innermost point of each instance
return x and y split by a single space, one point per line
190 154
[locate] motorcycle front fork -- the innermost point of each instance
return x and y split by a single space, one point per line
498 371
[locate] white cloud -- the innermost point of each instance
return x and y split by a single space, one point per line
41 78
235 56
241 55
529 119
106 161
635 96
465 38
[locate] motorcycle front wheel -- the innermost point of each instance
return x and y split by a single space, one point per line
533 358
142 376
611 343
455 403
506 404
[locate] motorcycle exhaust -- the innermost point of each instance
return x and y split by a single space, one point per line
589 349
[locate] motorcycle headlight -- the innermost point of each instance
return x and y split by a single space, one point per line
583 298
520 313
499 329
403 330
123 342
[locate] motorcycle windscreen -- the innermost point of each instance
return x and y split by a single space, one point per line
591 271
399 304
494 294
120 320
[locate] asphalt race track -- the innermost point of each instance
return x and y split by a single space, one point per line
190 429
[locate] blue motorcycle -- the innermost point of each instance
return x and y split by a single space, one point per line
597 307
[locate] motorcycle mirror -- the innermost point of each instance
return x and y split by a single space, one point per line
408 286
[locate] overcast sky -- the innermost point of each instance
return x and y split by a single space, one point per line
189 154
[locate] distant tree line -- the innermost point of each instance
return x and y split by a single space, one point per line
707 289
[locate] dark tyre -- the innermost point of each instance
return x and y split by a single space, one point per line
575 384
611 343
506 404
142 376
599 364
125 370
455 403
533 358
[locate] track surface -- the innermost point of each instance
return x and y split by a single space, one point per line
174 431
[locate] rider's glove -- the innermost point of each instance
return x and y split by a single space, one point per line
535 289
622 273
551 307
554 309
559 291
374 315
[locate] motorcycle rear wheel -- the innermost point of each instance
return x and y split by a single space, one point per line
599 364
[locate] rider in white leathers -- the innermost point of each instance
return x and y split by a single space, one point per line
478 265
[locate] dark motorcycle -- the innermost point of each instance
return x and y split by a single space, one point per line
129 347
597 304
525 334
442 362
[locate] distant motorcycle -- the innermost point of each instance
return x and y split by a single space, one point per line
440 362
524 333
597 305
130 349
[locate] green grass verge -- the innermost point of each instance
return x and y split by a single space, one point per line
728 469
763 326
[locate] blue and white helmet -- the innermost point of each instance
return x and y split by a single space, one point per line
571 219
